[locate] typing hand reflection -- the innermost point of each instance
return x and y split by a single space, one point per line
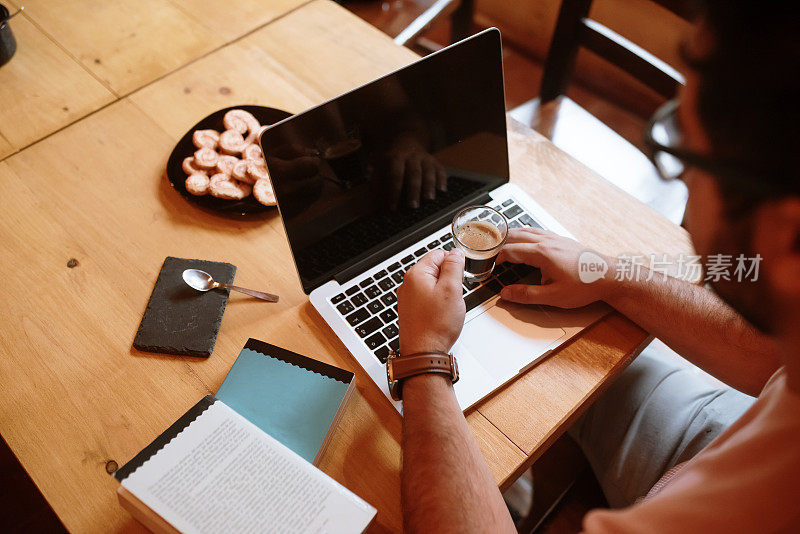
301 170
295 162
413 173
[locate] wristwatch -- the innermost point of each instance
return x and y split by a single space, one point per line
398 369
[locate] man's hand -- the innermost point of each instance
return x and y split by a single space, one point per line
413 168
430 303
557 257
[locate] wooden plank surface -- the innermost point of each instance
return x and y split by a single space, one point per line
301 60
125 44
231 20
42 89
74 395
130 397
6 148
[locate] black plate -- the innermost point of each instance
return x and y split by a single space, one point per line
185 148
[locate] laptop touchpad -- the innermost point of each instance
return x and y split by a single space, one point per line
509 336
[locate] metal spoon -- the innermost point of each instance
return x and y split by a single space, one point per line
202 281
11 16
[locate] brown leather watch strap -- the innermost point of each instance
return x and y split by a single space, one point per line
417 364
398 368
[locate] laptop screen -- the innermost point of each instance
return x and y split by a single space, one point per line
360 172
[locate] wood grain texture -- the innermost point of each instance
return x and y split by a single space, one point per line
251 76
144 514
330 50
125 44
271 67
74 395
234 19
73 389
119 230
6 148
42 89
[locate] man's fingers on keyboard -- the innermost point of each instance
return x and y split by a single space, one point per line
526 235
528 253
527 294
451 273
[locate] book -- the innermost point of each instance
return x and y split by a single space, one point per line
240 460
215 471
293 398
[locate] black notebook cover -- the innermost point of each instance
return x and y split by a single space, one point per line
181 320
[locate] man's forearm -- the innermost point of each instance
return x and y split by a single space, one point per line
699 326
446 484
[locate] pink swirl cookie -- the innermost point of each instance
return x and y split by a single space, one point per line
231 142
206 158
190 168
253 152
221 186
264 193
239 172
243 122
225 164
205 138
240 120
257 171
197 184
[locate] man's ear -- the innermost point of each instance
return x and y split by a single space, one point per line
777 238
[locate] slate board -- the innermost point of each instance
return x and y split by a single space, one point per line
178 319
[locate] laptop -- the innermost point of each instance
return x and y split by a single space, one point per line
368 183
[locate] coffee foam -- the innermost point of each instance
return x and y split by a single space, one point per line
480 239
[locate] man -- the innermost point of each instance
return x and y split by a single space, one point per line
672 453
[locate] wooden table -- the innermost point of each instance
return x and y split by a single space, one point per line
74 395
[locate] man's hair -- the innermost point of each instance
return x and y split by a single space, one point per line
748 90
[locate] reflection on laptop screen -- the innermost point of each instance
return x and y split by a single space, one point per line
379 162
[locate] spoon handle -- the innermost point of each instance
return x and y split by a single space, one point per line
11 16
253 293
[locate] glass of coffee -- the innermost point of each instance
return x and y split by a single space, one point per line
480 232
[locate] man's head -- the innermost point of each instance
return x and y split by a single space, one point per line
739 108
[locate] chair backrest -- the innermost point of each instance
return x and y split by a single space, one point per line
461 13
574 29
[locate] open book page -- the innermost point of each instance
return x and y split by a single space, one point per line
223 474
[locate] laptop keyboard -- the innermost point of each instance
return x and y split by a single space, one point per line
370 306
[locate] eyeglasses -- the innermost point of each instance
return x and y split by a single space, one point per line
663 138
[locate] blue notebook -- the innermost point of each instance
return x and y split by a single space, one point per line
294 399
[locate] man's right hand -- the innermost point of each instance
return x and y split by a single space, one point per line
430 304
557 257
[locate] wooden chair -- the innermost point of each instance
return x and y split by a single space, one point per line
583 136
460 11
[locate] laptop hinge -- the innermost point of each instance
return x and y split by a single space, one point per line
393 248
